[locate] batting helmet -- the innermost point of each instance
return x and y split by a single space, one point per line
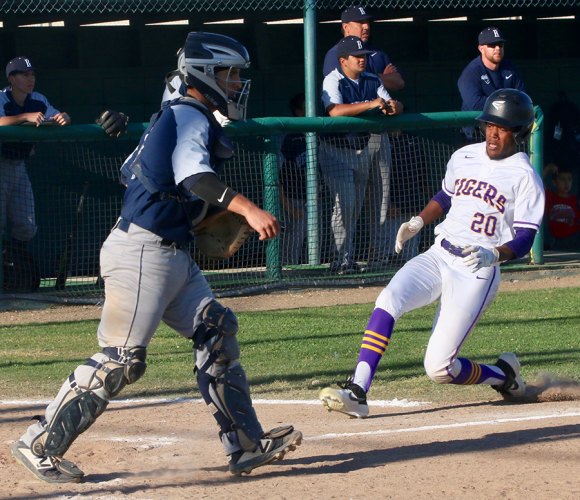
512 109
205 53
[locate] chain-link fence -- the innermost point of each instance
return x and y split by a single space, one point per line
340 188
188 6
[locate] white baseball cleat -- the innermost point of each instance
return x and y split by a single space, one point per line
350 399
273 446
514 386
49 469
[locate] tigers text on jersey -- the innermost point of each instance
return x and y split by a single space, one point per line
490 198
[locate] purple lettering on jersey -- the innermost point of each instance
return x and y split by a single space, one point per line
500 203
458 185
481 185
489 195
469 185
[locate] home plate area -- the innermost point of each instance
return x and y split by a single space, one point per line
170 449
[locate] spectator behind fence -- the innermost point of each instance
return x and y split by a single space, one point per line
356 21
293 188
485 74
345 159
562 213
21 105
562 139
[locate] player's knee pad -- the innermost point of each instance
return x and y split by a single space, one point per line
214 336
86 394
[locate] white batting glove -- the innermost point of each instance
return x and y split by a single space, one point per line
407 231
477 257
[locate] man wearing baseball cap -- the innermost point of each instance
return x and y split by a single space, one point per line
346 160
356 21
486 73
21 105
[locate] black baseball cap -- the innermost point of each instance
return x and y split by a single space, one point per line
490 36
19 65
351 46
356 14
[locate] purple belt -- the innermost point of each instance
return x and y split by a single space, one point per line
452 249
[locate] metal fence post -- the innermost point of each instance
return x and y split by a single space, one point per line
537 160
272 204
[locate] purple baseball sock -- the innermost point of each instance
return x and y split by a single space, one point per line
473 373
374 343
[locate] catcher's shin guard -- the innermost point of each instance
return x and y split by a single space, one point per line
84 396
222 380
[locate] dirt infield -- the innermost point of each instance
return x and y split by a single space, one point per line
484 449
169 450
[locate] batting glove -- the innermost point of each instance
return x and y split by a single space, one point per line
477 257
407 231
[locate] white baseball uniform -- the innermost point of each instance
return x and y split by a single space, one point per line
489 200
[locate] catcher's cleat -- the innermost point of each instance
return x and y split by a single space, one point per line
350 399
49 469
273 446
514 386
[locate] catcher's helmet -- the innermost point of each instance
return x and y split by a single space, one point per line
512 109
205 53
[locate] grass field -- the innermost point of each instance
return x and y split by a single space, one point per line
293 353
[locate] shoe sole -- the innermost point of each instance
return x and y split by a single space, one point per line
334 403
268 458
20 457
514 363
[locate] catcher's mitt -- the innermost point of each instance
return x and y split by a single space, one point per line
114 123
220 235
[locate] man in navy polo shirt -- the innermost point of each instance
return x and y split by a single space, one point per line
356 21
486 73
21 105
346 159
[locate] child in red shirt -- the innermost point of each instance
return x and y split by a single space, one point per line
562 213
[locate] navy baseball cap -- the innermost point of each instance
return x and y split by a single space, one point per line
356 14
19 65
351 46
490 36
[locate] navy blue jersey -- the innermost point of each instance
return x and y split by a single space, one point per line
377 60
477 82
35 102
337 88
178 144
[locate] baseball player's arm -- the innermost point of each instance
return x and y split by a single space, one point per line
391 78
209 188
357 108
37 118
471 94
432 211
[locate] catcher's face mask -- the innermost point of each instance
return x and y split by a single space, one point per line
237 90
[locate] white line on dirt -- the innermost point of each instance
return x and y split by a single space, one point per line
397 403
442 426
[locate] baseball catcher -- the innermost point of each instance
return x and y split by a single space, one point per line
114 123
149 275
